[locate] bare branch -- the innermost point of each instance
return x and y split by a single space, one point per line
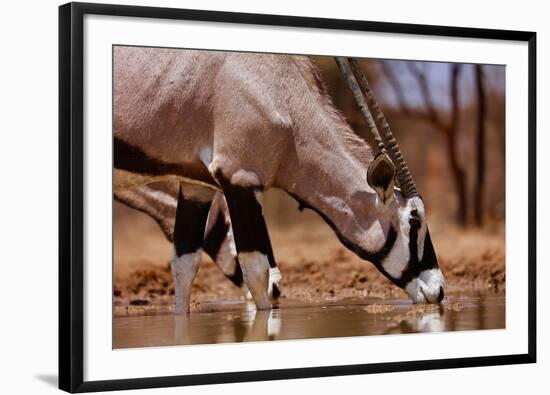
396 87
426 94
459 174
455 111
480 146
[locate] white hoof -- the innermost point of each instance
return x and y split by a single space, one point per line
274 289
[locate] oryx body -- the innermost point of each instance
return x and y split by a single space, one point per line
242 123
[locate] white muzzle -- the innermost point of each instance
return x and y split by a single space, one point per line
427 287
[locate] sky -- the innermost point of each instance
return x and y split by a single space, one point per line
438 77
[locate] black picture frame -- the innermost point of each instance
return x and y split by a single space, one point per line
71 204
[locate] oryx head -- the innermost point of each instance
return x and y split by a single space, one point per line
410 260
407 257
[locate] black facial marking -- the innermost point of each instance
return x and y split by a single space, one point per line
415 267
190 223
375 257
249 228
414 220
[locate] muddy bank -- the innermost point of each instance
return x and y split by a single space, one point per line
316 268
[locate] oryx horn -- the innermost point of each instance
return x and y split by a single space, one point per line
403 175
344 66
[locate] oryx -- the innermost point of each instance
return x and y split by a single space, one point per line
242 123
164 203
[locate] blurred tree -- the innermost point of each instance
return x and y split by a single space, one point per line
396 87
448 129
455 101
480 146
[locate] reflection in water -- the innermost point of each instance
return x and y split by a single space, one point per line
251 325
240 322
431 322
423 319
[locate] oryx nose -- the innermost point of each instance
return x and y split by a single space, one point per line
441 294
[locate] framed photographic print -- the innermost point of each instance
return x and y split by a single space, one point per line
251 197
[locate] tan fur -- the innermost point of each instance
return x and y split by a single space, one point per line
159 200
265 114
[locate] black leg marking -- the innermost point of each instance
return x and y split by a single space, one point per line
213 241
215 237
276 291
237 276
270 256
251 238
191 218
415 267
247 219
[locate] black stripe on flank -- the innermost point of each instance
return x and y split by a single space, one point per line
133 159
191 218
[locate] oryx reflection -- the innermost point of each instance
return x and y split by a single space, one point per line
421 321
230 327
240 322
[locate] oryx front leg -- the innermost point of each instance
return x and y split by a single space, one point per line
184 269
191 215
250 233
219 242
255 267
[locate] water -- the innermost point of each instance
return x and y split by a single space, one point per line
222 322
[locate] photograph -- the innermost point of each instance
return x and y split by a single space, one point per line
268 197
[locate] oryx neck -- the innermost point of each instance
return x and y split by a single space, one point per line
326 170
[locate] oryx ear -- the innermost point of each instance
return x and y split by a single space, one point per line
381 176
